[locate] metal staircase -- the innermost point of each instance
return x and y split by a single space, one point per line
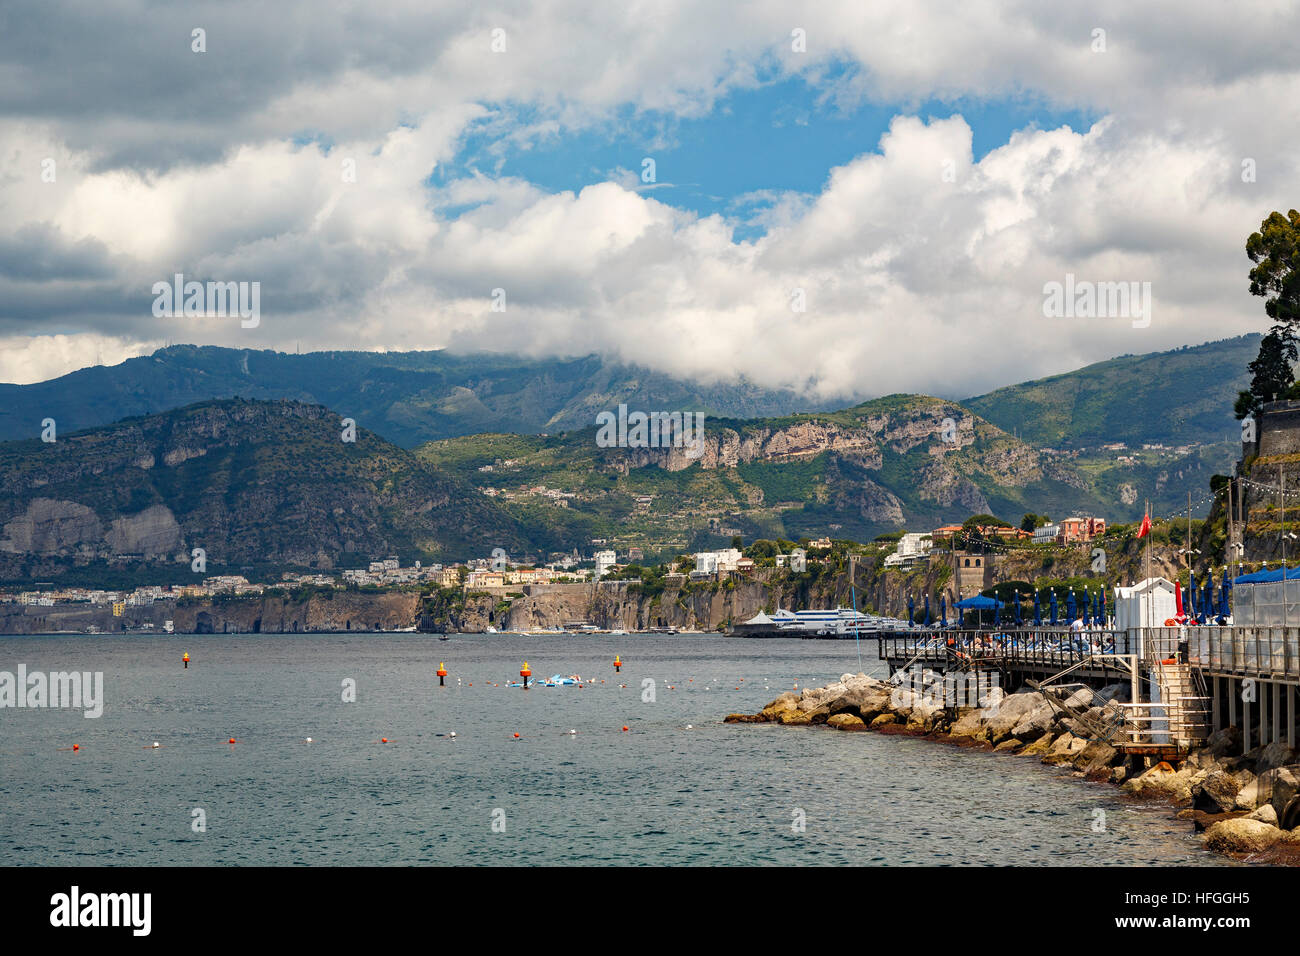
1185 702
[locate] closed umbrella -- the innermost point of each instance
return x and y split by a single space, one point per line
1178 601
927 609
1038 617
1207 598
911 611
1225 590
1192 595
1053 603
943 610
1071 606
1016 602
1102 598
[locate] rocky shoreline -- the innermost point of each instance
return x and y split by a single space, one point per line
1247 807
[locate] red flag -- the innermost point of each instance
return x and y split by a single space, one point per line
1146 526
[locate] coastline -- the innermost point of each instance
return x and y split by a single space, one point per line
1237 804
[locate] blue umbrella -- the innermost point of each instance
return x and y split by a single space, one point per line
911 611
927 609
943 611
1071 606
1225 590
1038 617
1096 608
1053 594
1102 598
1207 597
1016 597
1191 596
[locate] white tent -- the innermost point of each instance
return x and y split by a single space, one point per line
1148 603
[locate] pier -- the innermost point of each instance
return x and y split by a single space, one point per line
1222 676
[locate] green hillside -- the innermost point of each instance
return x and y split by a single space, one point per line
1181 397
407 397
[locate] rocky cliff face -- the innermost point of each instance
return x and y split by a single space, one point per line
252 483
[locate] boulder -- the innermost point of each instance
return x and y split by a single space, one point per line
1279 787
1265 814
1247 796
1223 742
846 722
1095 757
969 723
789 701
1064 748
1009 744
1217 793
1039 746
1241 835
1165 782
883 719
1014 710
744 719
1276 754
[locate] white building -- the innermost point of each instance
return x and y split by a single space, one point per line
1047 533
604 561
913 548
711 562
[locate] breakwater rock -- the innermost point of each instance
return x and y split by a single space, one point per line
1246 806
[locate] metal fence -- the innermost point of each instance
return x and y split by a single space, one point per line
1041 646
1254 651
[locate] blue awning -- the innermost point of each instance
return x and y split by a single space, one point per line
1264 577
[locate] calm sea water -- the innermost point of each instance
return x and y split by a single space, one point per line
659 793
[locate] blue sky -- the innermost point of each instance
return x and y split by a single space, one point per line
783 136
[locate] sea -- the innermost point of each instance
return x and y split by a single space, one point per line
631 768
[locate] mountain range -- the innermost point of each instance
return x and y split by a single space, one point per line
455 456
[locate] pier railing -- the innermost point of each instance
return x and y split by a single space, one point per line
1047 647
1269 652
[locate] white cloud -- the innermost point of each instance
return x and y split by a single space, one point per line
912 282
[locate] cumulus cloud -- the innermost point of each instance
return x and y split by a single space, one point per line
300 155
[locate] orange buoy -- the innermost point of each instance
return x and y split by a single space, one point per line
525 672
76 747
383 740
231 740
625 728
618 664
442 674
185 659
516 736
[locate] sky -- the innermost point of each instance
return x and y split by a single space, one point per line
844 198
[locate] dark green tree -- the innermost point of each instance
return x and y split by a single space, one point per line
1271 371
1275 250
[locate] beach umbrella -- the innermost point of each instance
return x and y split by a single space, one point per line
1071 606
927 609
1178 601
1097 616
1038 616
1052 592
911 611
1225 589
1016 600
943 610
1207 598
1191 595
